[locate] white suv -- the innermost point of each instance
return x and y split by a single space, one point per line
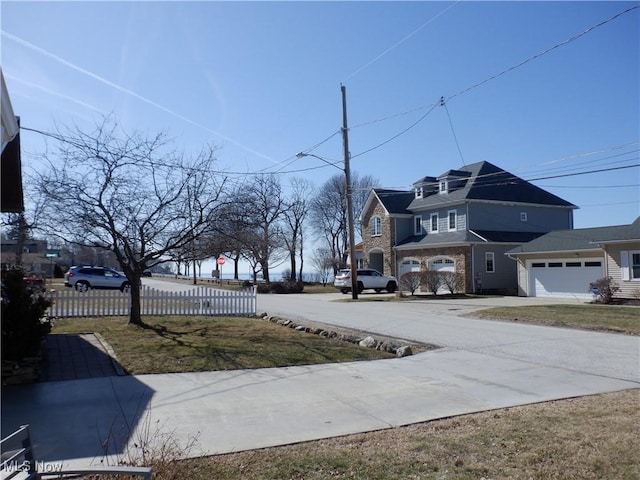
367 279
84 278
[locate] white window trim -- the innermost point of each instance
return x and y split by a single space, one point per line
443 185
372 223
487 256
431 217
523 216
417 230
626 265
419 192
455 220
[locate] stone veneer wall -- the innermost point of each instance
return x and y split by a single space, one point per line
383 242
461 256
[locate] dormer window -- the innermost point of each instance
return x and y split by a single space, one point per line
444 186
419 192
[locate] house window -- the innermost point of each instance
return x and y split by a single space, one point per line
635 265
434 222
419 192
523 216
573 264
453 224
417 225
592 264
538 265
375 225
489 262
444 187
555 264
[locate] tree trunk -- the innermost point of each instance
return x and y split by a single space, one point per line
265 270
135 316
292 273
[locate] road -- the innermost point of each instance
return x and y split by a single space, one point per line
439 322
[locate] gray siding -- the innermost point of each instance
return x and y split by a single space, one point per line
404 229
505 276
483 216
443 219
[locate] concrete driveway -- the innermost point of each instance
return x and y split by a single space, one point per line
484 365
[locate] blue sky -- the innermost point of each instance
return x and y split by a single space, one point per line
262 80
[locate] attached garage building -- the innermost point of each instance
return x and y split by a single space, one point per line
563 263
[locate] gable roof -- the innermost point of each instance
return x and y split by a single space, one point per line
488 182
622 233
393 201
579 239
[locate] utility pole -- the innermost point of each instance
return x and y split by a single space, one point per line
347 174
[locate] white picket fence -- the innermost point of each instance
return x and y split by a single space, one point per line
197 301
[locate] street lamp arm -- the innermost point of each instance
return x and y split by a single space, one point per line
302 155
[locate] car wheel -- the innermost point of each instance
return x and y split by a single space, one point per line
82 286
126 287
344 290
391 287
360 287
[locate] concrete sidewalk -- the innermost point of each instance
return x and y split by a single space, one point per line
230 411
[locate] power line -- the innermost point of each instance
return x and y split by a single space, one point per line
584 173
444 104
397 135
486 80
591 186
548 50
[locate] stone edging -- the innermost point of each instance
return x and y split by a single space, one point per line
368 341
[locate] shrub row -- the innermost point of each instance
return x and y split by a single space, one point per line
432 281
281 287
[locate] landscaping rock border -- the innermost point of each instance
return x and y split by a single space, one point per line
364 341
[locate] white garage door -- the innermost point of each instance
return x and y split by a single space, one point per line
409 265
568 278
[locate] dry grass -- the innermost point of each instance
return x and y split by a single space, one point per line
592 317
174 344
585 438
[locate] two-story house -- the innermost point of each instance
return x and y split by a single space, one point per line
464 221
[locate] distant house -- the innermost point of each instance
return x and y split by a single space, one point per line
563 263
463 220
33 255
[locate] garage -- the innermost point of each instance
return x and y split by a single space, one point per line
408 265
563 278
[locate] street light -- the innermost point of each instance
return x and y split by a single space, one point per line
352 250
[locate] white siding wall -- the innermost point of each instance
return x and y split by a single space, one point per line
628 288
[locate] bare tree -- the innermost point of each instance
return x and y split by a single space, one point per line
264 207
295 216
129 194
323 263
329 213
361 186
329 217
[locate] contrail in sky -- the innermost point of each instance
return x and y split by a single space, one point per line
401 41
122 89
